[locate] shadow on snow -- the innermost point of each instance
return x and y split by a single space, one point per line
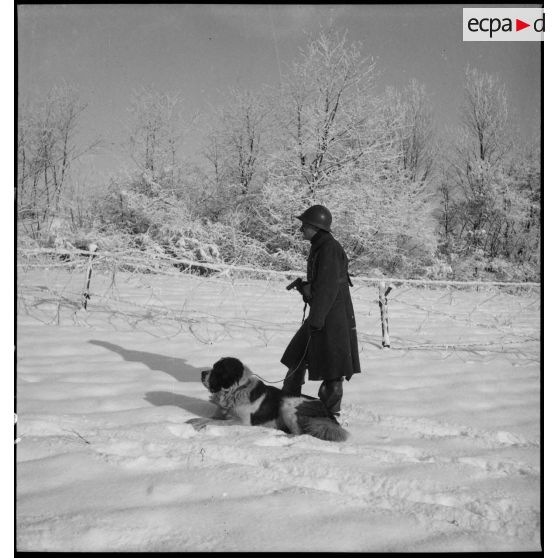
191 404
175 367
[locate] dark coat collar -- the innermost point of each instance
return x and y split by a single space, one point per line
319 238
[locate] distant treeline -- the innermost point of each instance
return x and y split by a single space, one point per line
406 199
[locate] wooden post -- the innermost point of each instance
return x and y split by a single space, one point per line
382 301
85 297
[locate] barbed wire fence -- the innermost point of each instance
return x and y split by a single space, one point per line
211 301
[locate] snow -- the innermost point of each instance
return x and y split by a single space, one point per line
444 452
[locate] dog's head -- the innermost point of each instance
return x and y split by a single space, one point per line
226 372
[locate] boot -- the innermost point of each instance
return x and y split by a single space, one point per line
292 384
331 393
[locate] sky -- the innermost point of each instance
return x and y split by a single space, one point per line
200 50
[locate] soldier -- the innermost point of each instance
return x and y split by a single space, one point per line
326 343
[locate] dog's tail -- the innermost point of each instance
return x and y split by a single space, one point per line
325 429
304 415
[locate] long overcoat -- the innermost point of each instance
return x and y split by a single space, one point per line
327 340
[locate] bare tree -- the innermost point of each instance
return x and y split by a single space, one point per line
492 181
155 134
337 145
413 124
46 150
476 149
235 144
327 111
485 116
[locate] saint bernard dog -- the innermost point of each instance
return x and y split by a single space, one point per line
243 398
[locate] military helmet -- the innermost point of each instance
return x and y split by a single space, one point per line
317 215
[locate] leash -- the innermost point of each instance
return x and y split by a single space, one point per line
307 344
292 371
299 362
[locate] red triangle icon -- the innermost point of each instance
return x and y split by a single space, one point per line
519 25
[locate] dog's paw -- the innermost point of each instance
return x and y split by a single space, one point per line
199 423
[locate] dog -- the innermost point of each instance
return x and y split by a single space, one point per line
243 398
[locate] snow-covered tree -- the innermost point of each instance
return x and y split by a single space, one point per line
340 144
492 184
412 119
46 150
327 113
235 144
155 135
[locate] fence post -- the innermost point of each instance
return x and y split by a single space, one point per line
85 297
382 301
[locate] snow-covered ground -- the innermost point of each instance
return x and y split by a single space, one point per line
444 453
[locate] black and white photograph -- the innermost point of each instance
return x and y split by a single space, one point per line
278 277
